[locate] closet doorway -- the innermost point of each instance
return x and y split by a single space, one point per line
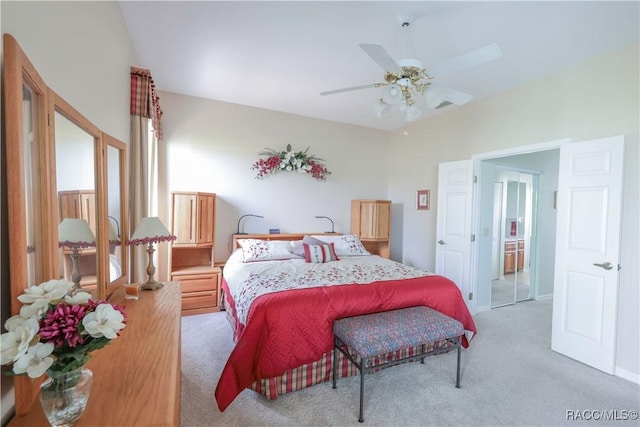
534 174
513 235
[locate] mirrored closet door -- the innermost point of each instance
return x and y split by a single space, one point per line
513 228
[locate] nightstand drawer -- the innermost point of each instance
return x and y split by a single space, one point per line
195 300
198 282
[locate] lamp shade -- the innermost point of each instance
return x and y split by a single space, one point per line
392 94
150 230
75 232
381 108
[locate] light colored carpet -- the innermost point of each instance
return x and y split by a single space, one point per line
509 377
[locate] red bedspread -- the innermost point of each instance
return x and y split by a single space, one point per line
290 328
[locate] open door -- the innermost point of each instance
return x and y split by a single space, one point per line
453 247
587 251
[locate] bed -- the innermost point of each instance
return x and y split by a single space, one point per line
282 294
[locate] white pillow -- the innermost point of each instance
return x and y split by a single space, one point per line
298 249
345 245
266 250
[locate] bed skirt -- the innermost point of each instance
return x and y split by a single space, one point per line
319 371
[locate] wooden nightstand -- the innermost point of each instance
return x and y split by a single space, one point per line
193 251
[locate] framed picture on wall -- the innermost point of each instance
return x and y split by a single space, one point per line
422 200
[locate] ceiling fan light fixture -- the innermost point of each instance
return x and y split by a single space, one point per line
413 113
381 108
392 94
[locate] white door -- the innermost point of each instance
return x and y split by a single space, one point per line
587 251
453 247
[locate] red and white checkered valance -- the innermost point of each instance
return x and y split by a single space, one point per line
144 99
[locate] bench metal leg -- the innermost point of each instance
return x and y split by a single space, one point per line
363 365
335 361
458 368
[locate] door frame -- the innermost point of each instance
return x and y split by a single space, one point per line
476 200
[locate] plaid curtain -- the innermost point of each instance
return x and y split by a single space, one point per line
144 99
143 162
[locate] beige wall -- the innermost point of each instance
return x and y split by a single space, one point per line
211 146
594 100
83 51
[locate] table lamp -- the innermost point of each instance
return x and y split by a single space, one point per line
76 234
151 230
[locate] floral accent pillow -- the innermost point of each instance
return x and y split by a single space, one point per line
319 253
346 245
265 250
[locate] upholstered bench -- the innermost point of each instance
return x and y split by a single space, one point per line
377 334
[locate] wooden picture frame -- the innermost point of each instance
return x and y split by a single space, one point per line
422 200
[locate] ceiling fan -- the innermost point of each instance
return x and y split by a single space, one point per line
407 81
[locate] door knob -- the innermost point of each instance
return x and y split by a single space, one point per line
605 265
441 242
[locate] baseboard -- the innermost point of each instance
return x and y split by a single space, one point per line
546 297
629 376
483 308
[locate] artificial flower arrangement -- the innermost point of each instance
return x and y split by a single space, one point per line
298 161
57 329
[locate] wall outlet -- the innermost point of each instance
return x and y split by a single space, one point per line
274 231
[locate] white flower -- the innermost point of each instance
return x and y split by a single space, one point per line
283 165
36 310
36 361
105 321
48 291
289 168
78 298
13 322
15 343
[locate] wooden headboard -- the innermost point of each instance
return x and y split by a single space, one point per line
288 236
375 247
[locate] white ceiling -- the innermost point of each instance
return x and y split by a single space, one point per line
281 55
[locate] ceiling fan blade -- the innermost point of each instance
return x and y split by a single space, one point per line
436 95
470 59
348 89
382 58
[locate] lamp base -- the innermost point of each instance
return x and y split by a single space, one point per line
151 285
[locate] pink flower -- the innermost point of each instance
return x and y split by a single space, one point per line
60 326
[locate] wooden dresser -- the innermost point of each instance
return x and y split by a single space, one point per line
136 378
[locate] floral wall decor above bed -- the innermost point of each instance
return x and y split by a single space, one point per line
290 161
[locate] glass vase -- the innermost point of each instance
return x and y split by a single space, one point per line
64 396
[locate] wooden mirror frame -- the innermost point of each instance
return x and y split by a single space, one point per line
19 71
111 142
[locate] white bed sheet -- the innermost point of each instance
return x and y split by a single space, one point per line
247 281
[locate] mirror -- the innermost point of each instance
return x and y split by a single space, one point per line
117 211
31 145
29 200
58 165
512 219
30 243
75 156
